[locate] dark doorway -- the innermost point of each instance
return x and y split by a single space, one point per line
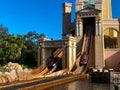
89 24
89 39
73 32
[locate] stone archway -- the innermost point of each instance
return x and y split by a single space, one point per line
111 45
111 38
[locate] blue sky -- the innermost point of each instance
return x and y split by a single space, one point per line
43 16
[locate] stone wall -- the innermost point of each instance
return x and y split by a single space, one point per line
112 59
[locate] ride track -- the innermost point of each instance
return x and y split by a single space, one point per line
43 72
86 47
41 84
39 74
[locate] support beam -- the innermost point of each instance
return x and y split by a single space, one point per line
118 39
71 51
99 52
39 55
43 60
96 33
79 28
98 27
64 59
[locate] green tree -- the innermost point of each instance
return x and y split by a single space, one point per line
3 31
29 54
3 35
12 47
20 48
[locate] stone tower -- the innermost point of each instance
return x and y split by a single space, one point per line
103 5
93 22
66 18
96 14
106 9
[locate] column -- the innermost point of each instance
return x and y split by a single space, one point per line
118 39
64 59
39 54
41 51
40 44
97 27
99 45
73 53
77 28
43 56
81 27
99 52
69 55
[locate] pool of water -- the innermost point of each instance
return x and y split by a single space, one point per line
83 84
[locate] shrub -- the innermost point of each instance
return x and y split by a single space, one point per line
2 69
